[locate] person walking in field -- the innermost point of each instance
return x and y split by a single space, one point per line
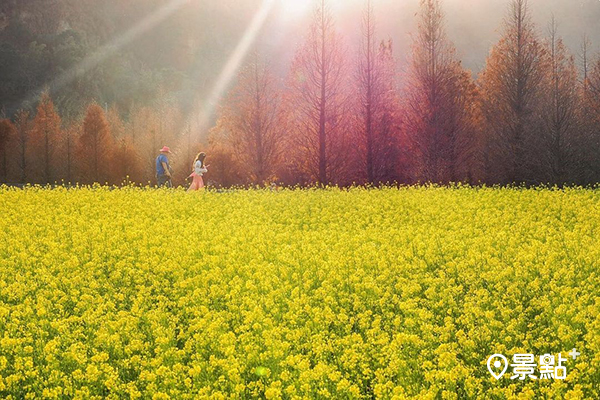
163 169
199 169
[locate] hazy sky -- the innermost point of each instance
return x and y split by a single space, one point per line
473 25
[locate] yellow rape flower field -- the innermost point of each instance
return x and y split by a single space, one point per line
341 294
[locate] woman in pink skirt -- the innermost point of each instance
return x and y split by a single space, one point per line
199 170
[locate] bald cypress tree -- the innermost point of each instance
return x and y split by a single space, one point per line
512 86
23 126
592 117
43 141
377 107
436 118
95 146
317 102
561 125
249 122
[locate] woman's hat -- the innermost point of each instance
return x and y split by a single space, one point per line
165 150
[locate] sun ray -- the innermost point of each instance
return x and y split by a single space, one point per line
234 61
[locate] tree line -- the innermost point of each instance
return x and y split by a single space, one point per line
349 117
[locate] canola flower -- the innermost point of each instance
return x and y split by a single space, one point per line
341 294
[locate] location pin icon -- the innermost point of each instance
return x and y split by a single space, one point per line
497 364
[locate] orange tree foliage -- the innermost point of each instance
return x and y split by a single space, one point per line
46 132
512 89
96 146
126 163
250 123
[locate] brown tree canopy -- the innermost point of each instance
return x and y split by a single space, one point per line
438 88
44 137
512 84
376 122
250 122
317 102
95 146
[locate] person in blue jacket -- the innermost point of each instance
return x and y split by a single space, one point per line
163 169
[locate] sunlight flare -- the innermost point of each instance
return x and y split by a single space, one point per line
235 59
291 9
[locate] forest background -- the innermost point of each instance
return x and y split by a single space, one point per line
331 92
